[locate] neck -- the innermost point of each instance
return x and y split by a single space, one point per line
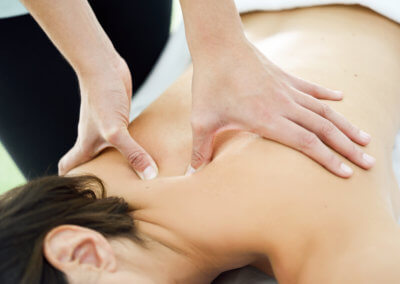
158 260
168 257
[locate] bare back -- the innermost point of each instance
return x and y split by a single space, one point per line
260 195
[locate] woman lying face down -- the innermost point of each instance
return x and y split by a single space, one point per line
65 230
257 202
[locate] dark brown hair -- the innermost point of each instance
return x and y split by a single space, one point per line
29 212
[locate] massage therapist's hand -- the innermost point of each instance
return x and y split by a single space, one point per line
104 79
236 87
104 119
241 89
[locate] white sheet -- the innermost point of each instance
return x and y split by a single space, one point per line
388 8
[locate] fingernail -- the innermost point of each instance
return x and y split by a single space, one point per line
346 170
365 136
148 174
190 170
339 94
369 159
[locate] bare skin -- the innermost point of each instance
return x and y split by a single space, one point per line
273 97
260 200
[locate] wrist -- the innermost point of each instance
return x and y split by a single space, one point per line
223 52
99 62
211 26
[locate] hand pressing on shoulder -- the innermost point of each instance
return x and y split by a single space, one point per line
236 87
104 80
104 119
241 89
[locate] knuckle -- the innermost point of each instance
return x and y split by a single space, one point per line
286 99
112 135
354 151
269 127
328 129
199 125
302 100
138 159
352 129
325 110
333 160
314 89
266 114
308 141
259 110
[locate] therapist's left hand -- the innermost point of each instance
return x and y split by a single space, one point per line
241 89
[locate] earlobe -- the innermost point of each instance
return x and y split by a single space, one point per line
70 248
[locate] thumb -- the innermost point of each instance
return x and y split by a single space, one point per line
202 148
73 158
138 158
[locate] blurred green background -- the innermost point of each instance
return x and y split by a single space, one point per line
9 173
10 176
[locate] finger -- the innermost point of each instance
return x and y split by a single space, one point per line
73 158
355 134
138 158
316 90
202 147
308 143
332 136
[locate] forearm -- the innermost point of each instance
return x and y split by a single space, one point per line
73 28
211 26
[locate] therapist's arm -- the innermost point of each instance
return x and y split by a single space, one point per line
236 87
104 79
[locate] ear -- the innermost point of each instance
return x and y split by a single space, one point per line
72 248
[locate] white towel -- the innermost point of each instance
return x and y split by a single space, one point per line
388 8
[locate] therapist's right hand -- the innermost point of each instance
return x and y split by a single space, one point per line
104 119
